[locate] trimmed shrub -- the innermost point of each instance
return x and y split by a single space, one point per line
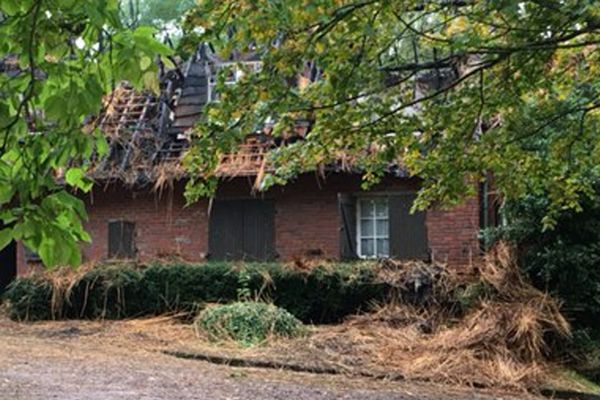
29 298
327 294
321 295
112 291
182 286
248 323
324 294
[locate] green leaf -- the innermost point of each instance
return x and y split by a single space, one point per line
47 252
70 201
102 147
5 238
145 63
150 81
6 193
10 7
76 177
55 107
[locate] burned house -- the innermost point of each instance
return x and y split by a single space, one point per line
325 215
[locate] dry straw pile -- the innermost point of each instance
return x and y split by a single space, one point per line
502 340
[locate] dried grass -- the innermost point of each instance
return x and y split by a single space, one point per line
62 281
501 342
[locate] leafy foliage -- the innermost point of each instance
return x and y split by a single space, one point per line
248 323
452 89
58 59
164 15
112 291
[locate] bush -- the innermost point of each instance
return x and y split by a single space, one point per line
182 286
29 299
323 295
327 294
248 323
566 262
112 291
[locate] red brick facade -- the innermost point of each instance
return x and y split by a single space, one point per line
307 220
452 234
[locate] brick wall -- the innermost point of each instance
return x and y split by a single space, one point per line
307 220
163 225
452 234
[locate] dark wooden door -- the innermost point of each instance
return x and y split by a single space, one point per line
242 230
8 265
408 232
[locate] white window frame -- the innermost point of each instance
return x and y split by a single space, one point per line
375 236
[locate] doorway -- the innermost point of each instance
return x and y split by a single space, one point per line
242 230
8 265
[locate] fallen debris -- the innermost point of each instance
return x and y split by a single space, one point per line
502 340
500 337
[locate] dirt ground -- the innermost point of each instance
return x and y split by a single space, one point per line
123 360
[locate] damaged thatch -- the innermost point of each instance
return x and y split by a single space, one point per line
148 133
130 123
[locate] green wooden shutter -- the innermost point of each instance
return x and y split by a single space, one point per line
408 232
347 207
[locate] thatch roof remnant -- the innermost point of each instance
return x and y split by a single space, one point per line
149 133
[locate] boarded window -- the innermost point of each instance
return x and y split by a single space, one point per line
242 230
121 244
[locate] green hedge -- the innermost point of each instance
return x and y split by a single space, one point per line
29 298
323 295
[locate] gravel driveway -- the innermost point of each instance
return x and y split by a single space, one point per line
36 365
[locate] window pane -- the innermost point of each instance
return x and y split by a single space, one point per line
367 208
381 207
383 247
366 227
382 228
367 247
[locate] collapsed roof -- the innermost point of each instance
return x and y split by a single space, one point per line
149 133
